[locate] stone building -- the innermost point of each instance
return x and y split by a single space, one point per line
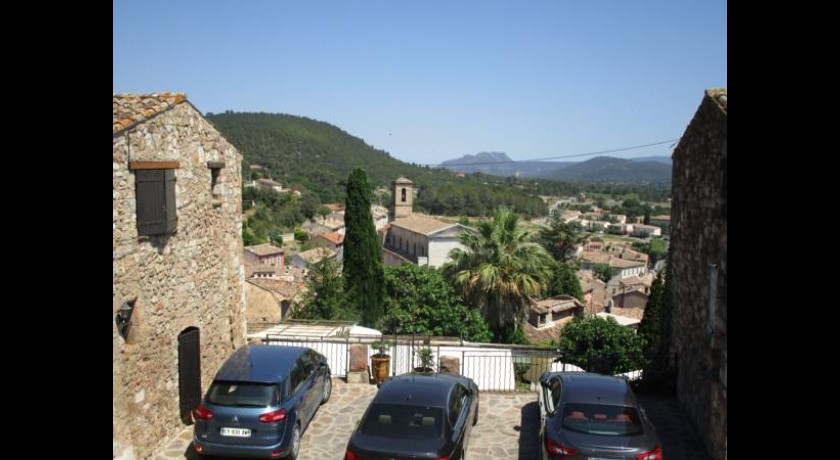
178 302
547 317
402 200
264 254
417 238
698 248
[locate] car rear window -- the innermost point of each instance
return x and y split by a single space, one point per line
602 419
243 394
403 421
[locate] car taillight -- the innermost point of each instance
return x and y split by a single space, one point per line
202 413
555 448
349 455
655 454
275 416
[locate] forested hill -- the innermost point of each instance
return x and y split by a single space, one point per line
615 170
319 157
299 150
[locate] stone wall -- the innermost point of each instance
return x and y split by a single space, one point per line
263 304
698 239
191 278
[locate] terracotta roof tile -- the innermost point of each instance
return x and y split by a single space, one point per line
559 303
333 237
135 108
421 224
264 249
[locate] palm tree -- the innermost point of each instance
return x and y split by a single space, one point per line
499 269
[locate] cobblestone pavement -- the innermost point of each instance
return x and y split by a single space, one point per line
508 427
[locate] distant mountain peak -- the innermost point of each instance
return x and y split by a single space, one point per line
480 157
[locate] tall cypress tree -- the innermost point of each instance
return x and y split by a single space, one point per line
650 325
364 277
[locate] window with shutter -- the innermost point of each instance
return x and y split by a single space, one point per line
156 211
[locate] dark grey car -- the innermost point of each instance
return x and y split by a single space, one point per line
261 401
417 416
593 417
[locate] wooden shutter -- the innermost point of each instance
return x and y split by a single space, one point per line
169 201
155 189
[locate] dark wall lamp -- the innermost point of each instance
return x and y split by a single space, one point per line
123 317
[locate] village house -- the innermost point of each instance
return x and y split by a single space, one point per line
594 290
312 256
264 254
663 221
547 317
334 241
266 184
625 321
334 207
570 215
644 231
270 299
260 271
331 224
380 216
619 267
622 228
178 302
629 303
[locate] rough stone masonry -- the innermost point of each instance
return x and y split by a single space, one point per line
189 279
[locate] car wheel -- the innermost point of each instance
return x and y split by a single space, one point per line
294 445
327 389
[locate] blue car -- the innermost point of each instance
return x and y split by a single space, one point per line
261 401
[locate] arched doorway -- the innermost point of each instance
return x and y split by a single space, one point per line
189 372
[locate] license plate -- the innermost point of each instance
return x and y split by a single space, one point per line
236 432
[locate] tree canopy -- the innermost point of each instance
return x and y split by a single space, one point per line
602 345
602 271
364 278
561 239
565 281
421 301
325 297
498 270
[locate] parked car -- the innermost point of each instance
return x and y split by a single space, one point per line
261 401
592 416
417 416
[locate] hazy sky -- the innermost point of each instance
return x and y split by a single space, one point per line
433 80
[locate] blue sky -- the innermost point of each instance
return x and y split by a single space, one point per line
433 80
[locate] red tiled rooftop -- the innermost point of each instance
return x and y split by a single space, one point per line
130 109
333 237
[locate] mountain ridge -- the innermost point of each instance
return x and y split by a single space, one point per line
641 170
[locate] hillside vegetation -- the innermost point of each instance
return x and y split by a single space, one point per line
314 156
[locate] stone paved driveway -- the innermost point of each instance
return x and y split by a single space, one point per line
508 427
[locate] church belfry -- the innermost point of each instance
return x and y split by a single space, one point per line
403 198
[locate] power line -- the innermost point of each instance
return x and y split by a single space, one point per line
561 156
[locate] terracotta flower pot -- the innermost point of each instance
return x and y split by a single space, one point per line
380 365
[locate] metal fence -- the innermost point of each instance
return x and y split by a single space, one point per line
336 350
502 368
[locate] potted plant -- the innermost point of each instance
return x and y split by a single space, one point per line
427 360
380 362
